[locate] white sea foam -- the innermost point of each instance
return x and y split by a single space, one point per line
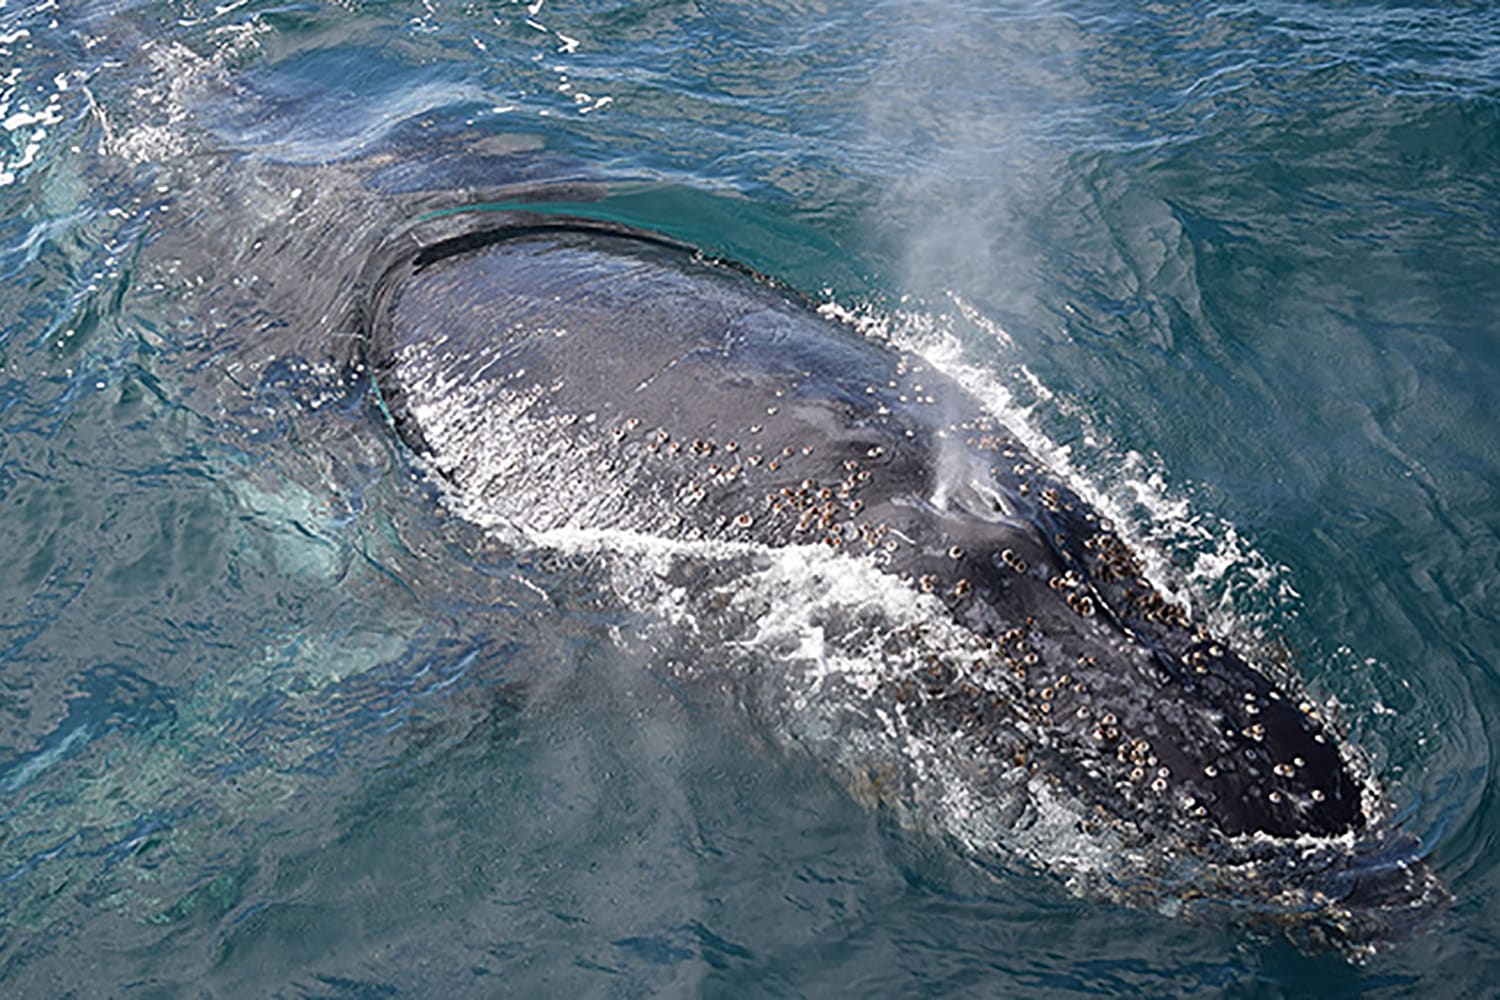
1188 552
26 118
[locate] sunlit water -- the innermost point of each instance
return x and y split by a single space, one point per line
273 718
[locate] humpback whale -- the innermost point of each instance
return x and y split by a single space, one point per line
1023 687
679 398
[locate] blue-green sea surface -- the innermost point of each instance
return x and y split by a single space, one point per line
274 720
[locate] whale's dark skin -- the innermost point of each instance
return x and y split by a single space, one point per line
719 407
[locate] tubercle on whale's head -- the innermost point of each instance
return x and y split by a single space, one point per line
1251 754
1178 739
1121 812
1155 704
1281 772
1250 757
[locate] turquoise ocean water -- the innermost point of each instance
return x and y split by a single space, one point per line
274 722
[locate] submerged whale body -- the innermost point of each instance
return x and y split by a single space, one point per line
564 375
